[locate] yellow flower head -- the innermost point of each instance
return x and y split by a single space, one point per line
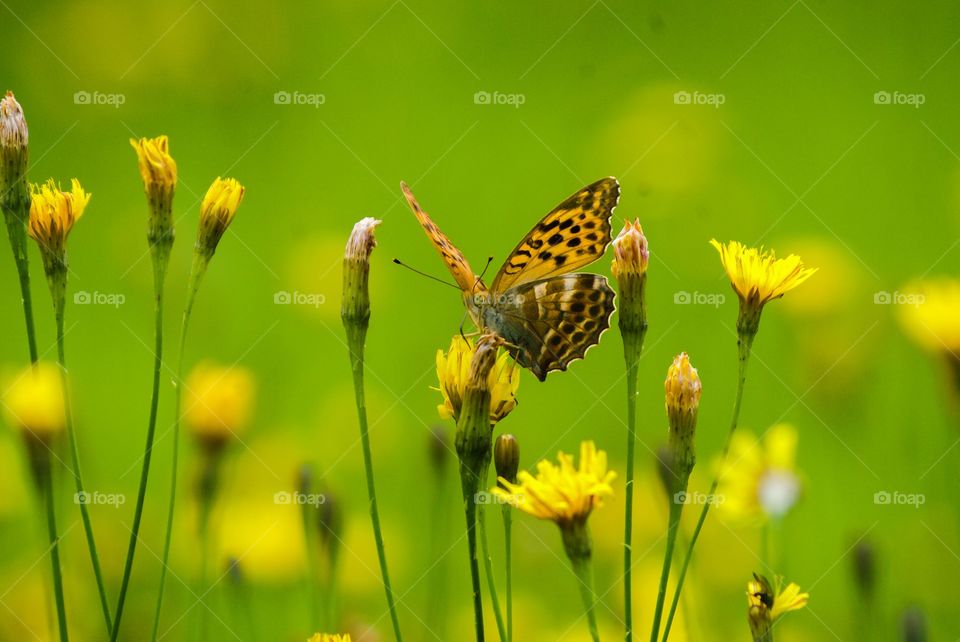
218 402
631 253
217 210
930 314
766 604
52 215
329 637
34 401
453 372
157 167
757 277
759 480
564 494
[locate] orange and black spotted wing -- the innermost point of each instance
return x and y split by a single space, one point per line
454 259
551 322
573 235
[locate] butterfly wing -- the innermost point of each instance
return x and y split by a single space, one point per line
551 322
573 235
454 259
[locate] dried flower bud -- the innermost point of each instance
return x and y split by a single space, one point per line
14 139
631 254
355 308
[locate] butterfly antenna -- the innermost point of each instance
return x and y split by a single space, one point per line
480 278
429 276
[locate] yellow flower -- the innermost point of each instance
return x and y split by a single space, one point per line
682 399
765 605
218 402
34 401
157 167
930 314
758 479
631 254
757 277
564 494
53 213
329 637
217 210
453 371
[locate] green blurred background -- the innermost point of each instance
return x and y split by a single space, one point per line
799 156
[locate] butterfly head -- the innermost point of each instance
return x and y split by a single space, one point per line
476 300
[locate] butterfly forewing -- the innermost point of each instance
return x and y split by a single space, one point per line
455 260
551 322
573 235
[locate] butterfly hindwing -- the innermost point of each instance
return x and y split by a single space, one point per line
573 235
454 259
550 322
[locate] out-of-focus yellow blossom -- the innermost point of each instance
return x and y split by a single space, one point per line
758 479
453 372
53 213
329 637
757 277
566 493
930 314
766 604
34 402
217 210
218 401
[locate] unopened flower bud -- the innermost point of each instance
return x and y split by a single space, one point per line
683 389
217 210
506 457
14 139
159 173
631 257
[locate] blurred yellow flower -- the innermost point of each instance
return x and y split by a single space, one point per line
758 479
218 401
157 167
328 637
766 604
453 371
757 277
34 401
217 210
53 213
930 314
564 494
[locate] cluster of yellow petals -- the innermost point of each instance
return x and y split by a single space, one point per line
34 401
218 401
562 493
453 372
53 213
785 599
329 637
757 275
157 166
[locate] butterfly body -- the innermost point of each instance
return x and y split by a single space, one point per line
548 315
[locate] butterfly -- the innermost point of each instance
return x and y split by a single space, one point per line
547 314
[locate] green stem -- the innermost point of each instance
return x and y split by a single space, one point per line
470 486
207 493
147 452
744 343
676 509
355 339
75 463
584 573
488 569
632 347
18 243
508 554
46 482
435 608
308 516
196 274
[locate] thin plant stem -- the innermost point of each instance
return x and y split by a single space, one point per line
488 569
147 452
468 481
632 346
584 573
18 243
46 483
196 274
744 343
307 520
435 611
508 555
355 340
75 463
676 509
